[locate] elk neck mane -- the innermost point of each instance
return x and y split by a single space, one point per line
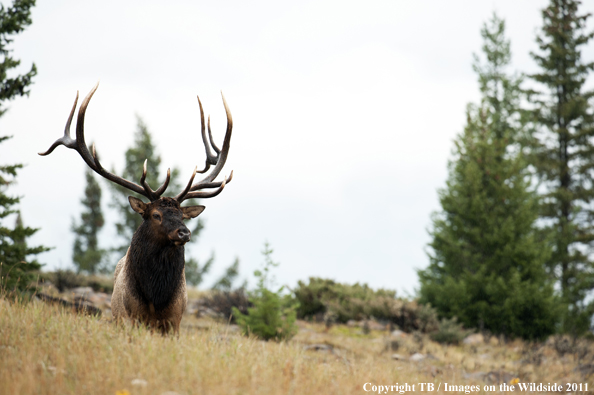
155 269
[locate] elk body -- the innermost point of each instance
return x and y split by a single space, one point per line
149 281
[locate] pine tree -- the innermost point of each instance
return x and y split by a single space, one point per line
563 155
86 254
274 313
144 149
13 20
225 283
487 262
16 266
195 272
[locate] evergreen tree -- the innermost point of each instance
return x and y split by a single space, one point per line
13 20
274 313
564 155
225 283
144 149
487 263
86 254
16 266
16 269
195 272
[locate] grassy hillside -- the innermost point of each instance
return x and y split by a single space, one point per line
48 350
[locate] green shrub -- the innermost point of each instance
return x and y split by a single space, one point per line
273 314
357 302
450 332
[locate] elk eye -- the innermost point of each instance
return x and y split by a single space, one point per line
157 216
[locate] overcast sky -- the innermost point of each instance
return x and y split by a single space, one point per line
344 115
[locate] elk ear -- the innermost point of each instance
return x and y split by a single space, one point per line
192 211
137 205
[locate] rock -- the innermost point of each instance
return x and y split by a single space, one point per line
208 312
474 339
493 377
398 357
76 306
417 357
98 298
82 291
139 382
398 334
375 326
476 376
499 377
318 347
352 323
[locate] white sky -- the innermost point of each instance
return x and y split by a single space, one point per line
344 116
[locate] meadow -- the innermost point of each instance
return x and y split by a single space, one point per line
45 349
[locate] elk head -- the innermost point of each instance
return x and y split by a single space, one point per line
164 218
163 214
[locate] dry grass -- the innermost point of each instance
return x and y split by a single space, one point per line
45 350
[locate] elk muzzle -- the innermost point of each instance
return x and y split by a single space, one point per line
180 236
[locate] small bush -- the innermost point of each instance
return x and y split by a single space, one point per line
67 279
224 302
273 314
272 317
344 302
450 332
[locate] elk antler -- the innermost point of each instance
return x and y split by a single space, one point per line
92 161
217 160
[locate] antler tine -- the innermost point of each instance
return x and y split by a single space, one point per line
65 140
163 187
204 195
154 195
218 161
210 158
181 197
213 184
145 185
214 146
80 146
221 158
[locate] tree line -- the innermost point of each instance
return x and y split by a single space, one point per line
510 249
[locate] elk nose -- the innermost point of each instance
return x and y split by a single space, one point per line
184 234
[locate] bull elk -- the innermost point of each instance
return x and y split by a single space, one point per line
149 281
